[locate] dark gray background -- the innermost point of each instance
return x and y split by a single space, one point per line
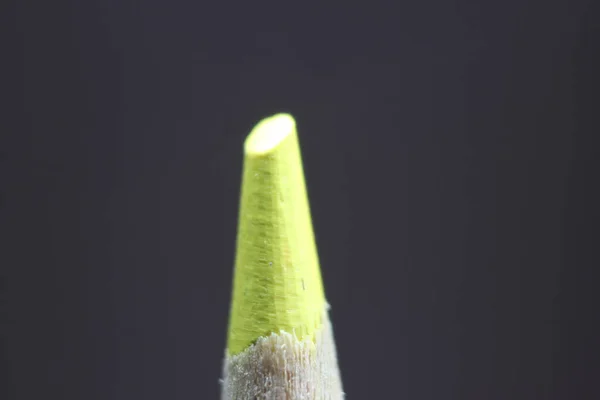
449 158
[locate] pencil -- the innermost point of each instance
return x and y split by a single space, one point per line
280 342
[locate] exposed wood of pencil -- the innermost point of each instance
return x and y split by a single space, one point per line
280 342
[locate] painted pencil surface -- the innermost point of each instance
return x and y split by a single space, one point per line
280 343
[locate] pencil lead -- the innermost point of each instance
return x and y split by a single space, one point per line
280 342
277 283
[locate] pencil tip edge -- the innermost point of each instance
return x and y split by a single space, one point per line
268 134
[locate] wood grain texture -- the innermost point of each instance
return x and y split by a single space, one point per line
282 367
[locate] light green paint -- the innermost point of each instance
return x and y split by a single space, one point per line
277 280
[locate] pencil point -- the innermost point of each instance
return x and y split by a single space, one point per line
269 133
280 341
277 279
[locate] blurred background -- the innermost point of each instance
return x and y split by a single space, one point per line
450 166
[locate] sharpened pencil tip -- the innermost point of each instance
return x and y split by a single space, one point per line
280 340
269 133
277 280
